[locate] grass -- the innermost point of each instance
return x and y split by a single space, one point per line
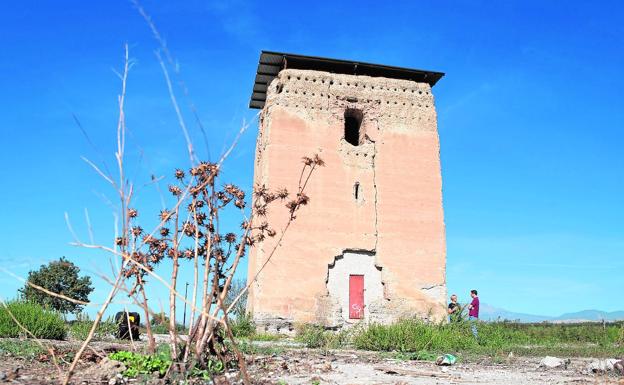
265 337
243 326
28 349
495 339
315 336
79 329
247 347
42 323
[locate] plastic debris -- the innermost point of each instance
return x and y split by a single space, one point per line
446 360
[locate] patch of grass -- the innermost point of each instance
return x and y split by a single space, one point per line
249 348
265 337
20 348
316 336
495 339
423 355
42 323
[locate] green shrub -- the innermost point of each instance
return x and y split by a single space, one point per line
79 329
312 336
243 326
42 323
315 336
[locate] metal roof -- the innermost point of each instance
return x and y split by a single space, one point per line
271 63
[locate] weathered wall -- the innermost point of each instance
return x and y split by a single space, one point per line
398 215
358 263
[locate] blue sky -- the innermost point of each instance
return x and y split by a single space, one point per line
531 124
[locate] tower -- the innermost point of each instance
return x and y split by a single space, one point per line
370 245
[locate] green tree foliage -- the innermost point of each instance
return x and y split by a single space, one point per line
59 277
239 309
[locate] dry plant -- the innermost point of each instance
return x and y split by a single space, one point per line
189 231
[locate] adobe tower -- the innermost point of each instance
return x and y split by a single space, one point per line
370 244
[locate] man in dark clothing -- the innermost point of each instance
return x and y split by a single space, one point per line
473 312
454 309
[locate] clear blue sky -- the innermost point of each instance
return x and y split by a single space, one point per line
531 124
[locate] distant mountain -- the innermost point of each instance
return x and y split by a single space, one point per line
591 315
491 313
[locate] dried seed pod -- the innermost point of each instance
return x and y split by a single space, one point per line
132 213
282 193
302 199
175 190
230 237
165 215
137 230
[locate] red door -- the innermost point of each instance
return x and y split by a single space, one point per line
356 296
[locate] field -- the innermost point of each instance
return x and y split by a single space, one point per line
403 353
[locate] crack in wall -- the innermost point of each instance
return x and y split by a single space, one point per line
432 287
375 194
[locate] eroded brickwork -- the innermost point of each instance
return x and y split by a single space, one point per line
394 221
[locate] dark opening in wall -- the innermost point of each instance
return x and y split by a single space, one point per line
353 122
356 190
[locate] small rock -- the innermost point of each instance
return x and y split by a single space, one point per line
619 366
601 366
551 362
3 376
106 370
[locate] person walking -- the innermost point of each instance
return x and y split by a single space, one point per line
473 312
454 309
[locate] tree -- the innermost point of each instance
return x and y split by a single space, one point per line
60 277
240 308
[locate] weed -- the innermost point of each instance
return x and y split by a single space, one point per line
42 323
315 336
496 339
265 337
249 348
20 348
142 364
242 326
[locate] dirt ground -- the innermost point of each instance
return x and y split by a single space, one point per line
298 366
370 369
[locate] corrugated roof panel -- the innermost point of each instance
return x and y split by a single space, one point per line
271 63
